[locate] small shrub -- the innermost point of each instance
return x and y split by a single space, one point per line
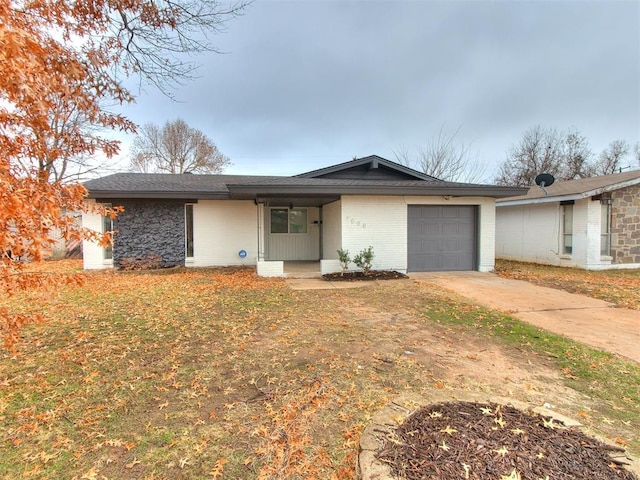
364 260
345 260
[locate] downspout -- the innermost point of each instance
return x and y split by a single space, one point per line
260 231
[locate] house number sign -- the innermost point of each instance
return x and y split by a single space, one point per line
356 222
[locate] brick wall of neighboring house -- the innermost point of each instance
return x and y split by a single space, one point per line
625 225
149 231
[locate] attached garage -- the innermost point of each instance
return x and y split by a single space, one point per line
442 238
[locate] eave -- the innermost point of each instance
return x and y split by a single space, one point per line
151 194
245 192
567 197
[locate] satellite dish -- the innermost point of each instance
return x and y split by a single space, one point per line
544 180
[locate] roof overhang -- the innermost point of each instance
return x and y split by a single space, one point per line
567 197
150 194
246 192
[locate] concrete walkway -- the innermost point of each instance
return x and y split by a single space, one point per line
593 322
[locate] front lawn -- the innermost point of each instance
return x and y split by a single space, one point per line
220 374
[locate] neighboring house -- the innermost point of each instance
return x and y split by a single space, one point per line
65 248
591 223
414 222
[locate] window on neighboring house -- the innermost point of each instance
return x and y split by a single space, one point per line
605 229
107 226
567 229
288 220
188 222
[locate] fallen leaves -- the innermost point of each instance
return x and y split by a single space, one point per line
192 374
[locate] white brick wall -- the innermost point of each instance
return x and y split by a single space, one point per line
529 232
221 228
92 253
381 221
270 269
533 233
593 211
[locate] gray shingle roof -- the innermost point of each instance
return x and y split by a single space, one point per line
581 187
164 185
370 175
185 186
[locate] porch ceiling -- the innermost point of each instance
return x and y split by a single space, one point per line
297 201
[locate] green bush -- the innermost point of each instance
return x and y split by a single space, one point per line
364 259
345 260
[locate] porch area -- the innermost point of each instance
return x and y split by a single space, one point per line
297 268
302 268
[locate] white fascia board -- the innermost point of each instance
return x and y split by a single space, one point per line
549 199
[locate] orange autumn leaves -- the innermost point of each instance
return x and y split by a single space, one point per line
43 67
62 58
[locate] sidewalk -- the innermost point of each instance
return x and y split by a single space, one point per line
590 321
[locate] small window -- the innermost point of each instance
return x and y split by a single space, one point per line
605 229
279 220
567 229
107 226
298 220
188 223
288 220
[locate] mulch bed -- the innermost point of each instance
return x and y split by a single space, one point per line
466 440
360 276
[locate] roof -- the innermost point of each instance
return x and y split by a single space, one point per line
165 185
574 189
385 169
324 185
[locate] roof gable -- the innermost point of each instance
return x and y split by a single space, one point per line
575 189
372 167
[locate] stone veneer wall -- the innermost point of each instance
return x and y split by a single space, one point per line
625 225
150 228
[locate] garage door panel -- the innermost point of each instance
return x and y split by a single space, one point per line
450 246
441 238
450 229
467 230
449 212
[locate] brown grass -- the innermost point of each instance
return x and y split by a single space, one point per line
214 373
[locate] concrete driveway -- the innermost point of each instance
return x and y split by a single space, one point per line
593 322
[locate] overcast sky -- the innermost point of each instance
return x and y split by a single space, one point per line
307 84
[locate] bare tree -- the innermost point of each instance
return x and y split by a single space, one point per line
611 159
153 46
444 158
636 152
175 148
576 157
62 163
540 150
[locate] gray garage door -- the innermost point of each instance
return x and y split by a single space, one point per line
441 238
